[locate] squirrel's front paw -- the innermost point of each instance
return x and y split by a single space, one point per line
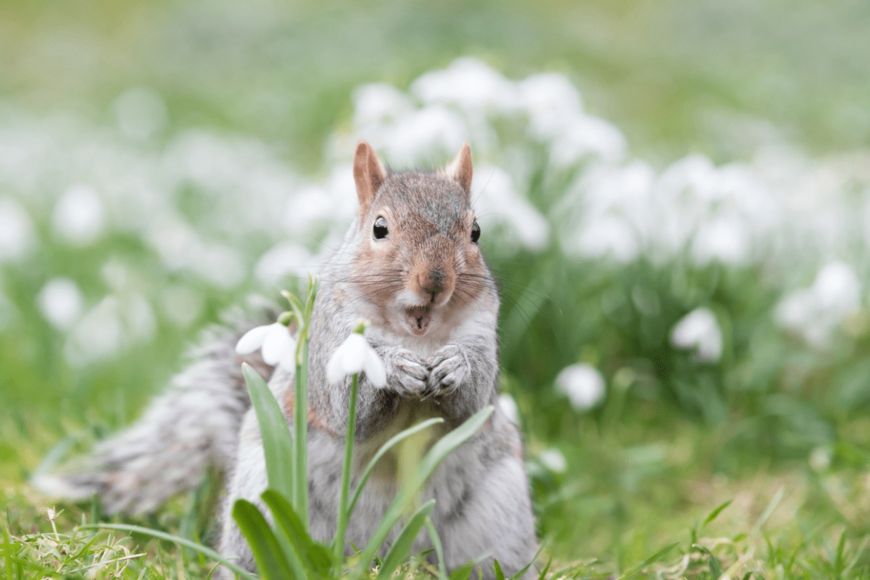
448 369
406 372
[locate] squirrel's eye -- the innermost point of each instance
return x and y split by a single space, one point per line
380 231
475 232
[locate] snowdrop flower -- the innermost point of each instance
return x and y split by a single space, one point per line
554 460
274 342
78 216
60 302
353 356
501 204
816 311
699 330
837 289
468 84
509 407
722 239
582 384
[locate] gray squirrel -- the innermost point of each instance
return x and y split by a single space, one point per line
410 264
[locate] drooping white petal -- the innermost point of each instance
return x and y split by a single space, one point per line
699 330
353 356
252 340
334 371
375 371
288 360
276 343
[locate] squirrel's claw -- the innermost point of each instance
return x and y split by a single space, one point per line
448 369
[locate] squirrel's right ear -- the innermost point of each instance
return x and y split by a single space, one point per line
368 173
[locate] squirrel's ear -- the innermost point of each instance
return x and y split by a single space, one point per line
369 173
460 168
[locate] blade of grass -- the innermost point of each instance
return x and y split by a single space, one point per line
654 558
207 552
767 511
715 568
277 442
398 438
715 513
271 561
405 540
519 575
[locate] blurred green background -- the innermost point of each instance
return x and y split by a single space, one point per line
159 161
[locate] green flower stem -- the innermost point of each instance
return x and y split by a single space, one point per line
345 472
300 425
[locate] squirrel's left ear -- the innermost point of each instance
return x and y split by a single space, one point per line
460 168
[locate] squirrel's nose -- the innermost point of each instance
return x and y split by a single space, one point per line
432 282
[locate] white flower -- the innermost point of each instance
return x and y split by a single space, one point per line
554 460
79 216
60 302
468 84
502 205
509 407
816 311
275 343
699 330
353 356
582 384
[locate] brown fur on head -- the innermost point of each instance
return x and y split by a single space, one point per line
416 258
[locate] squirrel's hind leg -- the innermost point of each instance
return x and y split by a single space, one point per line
496 520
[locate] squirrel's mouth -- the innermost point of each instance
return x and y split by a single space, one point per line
418 318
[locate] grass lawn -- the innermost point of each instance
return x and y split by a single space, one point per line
194 124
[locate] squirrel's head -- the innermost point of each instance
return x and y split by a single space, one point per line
417 260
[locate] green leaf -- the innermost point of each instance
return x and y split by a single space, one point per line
267 551
654 558
313 556
207 552
402 546
499 575
7 553
277 441
382 451
715 513
407 494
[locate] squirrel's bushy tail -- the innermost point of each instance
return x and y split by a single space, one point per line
184 431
